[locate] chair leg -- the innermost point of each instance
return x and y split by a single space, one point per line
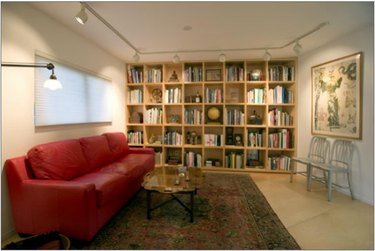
350 186
309 176
329 185
291 173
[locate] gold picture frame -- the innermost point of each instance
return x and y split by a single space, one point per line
213 75
336 108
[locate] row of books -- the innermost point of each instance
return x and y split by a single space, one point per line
280 139
214 95
135 75
193 74
173 95
234 160
154 75
193 117
279 163
234 73
234 116
280 95
281 73
276 117
255 139
154 116
135 96
193 159
256 96
173 138
213 139
135 137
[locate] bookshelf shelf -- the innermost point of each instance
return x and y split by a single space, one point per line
257 104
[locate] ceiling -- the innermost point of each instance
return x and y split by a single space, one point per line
159 26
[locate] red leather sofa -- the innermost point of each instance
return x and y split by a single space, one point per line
75 186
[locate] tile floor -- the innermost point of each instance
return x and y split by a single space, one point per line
314 222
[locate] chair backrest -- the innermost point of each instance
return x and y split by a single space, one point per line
341 153
319 149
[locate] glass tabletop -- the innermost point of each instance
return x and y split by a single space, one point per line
173 179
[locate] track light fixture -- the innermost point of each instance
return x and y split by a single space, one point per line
222 57
297 48
81 16
267 56
52 83
136 57
176 59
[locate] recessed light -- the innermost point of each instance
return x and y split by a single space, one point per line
187 28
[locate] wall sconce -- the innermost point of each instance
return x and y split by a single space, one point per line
52 83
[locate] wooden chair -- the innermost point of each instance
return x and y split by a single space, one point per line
340 161
318 153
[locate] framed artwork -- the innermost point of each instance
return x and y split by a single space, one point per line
336 98
213 75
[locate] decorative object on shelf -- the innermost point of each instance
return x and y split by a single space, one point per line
136 117
229 140
336 97
238 140
157 95
213 75
174 119
217 163
152 139
193 138
213 115
173 77
198 98
199 140
188 138
255 119
256 75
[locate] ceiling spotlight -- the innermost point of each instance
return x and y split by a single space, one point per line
136 57
222 58
176 59
267 56
297 48
81 16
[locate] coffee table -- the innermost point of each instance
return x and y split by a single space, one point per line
173 180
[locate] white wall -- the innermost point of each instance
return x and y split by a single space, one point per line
363 159
25 30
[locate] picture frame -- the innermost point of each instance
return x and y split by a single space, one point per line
336 108
213 75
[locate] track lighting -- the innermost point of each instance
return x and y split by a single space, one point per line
81 16
267 56
297 48
176 59
222 57
136 57
52 83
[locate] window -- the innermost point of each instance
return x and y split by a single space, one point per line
84 98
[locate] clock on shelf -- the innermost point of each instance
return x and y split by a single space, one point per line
213 115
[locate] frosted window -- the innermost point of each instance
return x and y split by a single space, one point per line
84 98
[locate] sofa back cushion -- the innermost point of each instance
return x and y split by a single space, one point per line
96 151
62 160
117 143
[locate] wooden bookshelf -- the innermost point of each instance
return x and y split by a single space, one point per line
256 102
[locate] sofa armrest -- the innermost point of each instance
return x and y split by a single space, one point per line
141 151
45 205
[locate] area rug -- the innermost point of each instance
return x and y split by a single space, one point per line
230 213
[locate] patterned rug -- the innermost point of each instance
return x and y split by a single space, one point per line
230 213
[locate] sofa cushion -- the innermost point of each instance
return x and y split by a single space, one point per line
62 160
108 186
132 166
96 151
117 143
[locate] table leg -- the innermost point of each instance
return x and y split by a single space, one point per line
148 204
